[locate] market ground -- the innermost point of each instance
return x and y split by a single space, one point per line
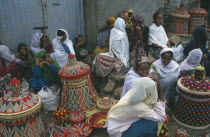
172 126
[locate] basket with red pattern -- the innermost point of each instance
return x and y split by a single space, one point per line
106 103
76 116
98 120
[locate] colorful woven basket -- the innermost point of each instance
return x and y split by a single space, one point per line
198 16
78 91
19 115
76 116
193 105
55 130
78 130
105 103
98 120
179 21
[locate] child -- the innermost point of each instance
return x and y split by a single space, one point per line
45 71
82 50
25 55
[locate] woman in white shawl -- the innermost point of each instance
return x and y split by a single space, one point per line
118 50
62 47
157 35
193 60
141 68
167 71
138 112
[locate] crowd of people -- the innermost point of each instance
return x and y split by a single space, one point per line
149 87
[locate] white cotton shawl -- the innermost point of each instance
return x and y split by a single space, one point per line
171 69
157 35
59 54
192 60
137 102
118 42
7 55
35 43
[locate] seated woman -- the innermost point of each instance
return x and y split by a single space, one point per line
62 47
118 55
157 36
199 41
138 112
37 41
188 66
82 50
141 68
137 46
8 65
26 57
167 71
103 37
45 71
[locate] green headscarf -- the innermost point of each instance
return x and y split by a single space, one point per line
46 72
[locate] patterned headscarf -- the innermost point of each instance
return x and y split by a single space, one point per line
139 20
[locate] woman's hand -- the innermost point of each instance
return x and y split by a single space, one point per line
47 63
169 44
153 76
39 62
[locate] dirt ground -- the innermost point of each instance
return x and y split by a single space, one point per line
172 126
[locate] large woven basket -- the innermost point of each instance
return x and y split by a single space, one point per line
19 115
193 105
77 88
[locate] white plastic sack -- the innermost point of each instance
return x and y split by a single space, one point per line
24 85
50 101
178 53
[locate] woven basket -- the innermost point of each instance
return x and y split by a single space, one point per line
106 103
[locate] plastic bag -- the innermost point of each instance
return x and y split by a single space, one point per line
50 101
24 85
178 53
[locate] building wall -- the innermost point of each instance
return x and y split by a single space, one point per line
97 11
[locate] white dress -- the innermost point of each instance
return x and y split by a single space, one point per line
59 54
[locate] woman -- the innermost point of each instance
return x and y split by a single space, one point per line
141 68
25 55
62 47
188 66
82 50
103 37
118 55
45 71
137 114
199 41
137 45
37 43
167 71
8 65
157 35
137 20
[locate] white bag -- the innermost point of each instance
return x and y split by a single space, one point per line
178 53
24 85
50 102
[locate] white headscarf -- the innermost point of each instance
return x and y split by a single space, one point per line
59 54
35 43
118 42
157 35
171 69
192 60
7 55
137 102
